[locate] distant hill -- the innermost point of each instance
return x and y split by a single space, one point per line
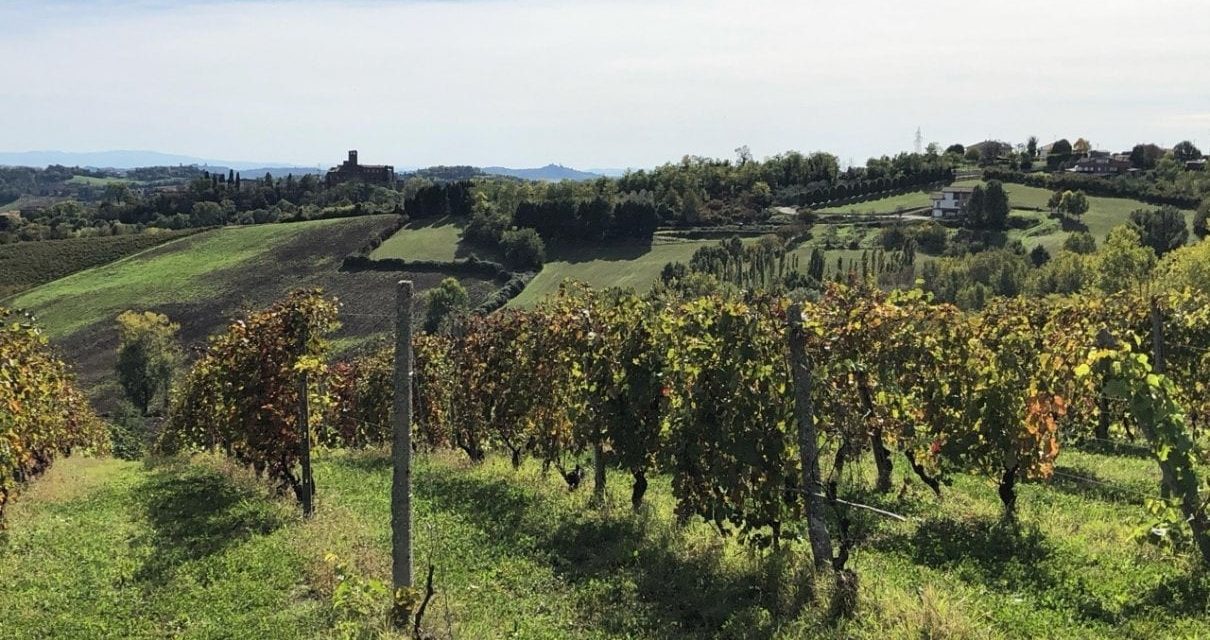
126 159
551 172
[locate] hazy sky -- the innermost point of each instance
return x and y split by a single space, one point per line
594 83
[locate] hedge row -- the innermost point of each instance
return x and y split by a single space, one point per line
1118 187
858 190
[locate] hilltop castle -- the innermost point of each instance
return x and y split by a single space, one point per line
350 171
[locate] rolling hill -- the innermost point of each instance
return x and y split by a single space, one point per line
201 281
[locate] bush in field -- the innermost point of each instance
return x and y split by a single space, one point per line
523 249
128 433
446 301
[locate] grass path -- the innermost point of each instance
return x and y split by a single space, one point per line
108 549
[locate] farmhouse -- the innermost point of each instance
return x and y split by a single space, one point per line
350 171
950 202
1100 164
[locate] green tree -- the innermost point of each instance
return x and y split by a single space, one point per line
1161 229
1031 146
1201 219
1056 199
1039 256
995 206
446 300
147 356
815 267
1185 268
208 214
975 207
1123 262
1073 203
523 248
1080 242
1185 151
1066 273
1145 156
117 193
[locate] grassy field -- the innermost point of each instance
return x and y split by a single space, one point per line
913 200
202 281
638 265
101 548
634 264
436 240
26 201
98 182
25 265
1103 214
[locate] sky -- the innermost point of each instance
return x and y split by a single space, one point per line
594 83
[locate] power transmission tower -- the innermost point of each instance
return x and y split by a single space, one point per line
919 141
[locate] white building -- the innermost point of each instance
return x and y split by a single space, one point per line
950 202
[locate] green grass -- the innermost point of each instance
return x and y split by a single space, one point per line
1103 213
112 549
156 278
27 201
438 241
913 200
25 265
205 280
633 264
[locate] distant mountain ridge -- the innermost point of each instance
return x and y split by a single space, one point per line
130 159
550 173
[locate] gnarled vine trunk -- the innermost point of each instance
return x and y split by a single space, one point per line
598 473
882 457
638 490
1008 491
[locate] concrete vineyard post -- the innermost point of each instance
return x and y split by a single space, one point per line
808 446
304 430
401 449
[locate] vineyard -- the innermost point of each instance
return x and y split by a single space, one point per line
760 412
43 414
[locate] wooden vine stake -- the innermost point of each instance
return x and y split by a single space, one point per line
401 449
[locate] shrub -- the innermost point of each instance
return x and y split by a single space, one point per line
446 300
1161 229
128 433
931 238
523 249
1080 242
1201 220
